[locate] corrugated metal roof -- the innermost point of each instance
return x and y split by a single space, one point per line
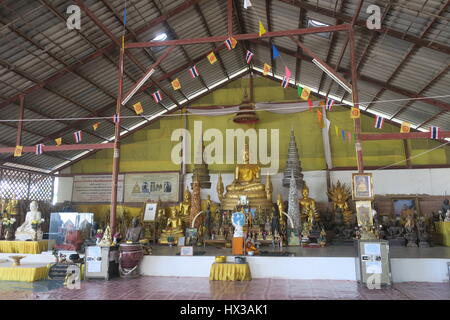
36 46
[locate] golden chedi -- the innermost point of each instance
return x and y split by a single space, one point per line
173 229
247 182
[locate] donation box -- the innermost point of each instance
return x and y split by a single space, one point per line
372 263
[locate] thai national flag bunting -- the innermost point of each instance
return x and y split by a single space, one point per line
39 148
194 72
379 122
248 56
434 132
157 96
228 44
329 104
285 82
78 136
116 118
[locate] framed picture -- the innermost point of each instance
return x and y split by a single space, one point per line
187 251
150 209
364 213
362 186
401 207
181 241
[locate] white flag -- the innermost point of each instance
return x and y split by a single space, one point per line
247 4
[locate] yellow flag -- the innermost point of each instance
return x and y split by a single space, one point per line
138 108
266 69
212 58
355 113
233 42
305 93
95 126
58 141
123 42
336 129
176 85
405 127
261 29
18 151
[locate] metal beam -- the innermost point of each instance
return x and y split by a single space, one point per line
63 147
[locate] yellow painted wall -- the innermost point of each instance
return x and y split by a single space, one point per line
149 149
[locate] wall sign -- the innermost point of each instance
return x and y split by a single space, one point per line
95 188
141 187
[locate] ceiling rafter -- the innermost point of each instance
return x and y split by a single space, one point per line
298 62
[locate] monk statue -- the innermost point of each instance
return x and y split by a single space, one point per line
185 206
135 232
174 227
247 182
25 231
308 207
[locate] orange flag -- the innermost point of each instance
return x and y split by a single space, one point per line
266 69
355 113
95 126
18 151
58 141
212 58
405 127
138 108
176 85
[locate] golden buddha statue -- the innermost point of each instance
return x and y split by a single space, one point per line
308 210
174 227
340 194
280 206
12 206
247 182
107 238
185 206
219 187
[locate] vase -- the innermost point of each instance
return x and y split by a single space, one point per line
8 234
35 235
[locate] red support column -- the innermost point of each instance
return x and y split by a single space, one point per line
355 96
116 153
230 17
20 123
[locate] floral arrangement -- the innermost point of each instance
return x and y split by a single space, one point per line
8 223
35 224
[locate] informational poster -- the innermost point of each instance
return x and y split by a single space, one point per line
373 267
372 249
95 188
94 259
141 187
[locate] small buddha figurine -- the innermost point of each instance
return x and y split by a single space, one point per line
322 238
174 227
185 206
135 232
12 205
107 238
308 207
25 231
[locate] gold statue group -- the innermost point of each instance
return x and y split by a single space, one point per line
247 184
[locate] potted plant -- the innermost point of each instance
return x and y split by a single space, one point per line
8 225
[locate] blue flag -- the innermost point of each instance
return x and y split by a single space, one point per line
124 16
343 134
276 54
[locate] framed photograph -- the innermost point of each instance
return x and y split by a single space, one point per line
187 251
150 209
181 241
364 213
362 186
402 207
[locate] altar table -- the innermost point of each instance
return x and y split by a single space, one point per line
33 247
443 228
230 271
24 272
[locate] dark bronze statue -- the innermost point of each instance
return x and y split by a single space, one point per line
135 232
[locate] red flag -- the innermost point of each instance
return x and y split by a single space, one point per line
310 104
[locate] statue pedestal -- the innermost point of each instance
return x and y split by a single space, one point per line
238 246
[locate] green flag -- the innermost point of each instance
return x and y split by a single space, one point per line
299 91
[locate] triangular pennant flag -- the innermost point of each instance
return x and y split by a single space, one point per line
230 43
261 29
212 58
18 151
39 149
58 141
138 108
405 127
78 136
336 129
266 69
434 132
95 126
247 4
176 85
194 72
310 104
355 113
275 52
343 134
157 96
305 93
379 122
248 56
287 72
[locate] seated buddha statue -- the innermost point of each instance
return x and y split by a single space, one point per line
174 227
308 207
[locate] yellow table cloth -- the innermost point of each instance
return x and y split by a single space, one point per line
32 247
26 273
230 271
443 228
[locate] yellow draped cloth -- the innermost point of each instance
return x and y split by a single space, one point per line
443 228
32 247
26 273
230 271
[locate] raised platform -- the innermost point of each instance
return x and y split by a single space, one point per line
26 272
330 263
26 247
